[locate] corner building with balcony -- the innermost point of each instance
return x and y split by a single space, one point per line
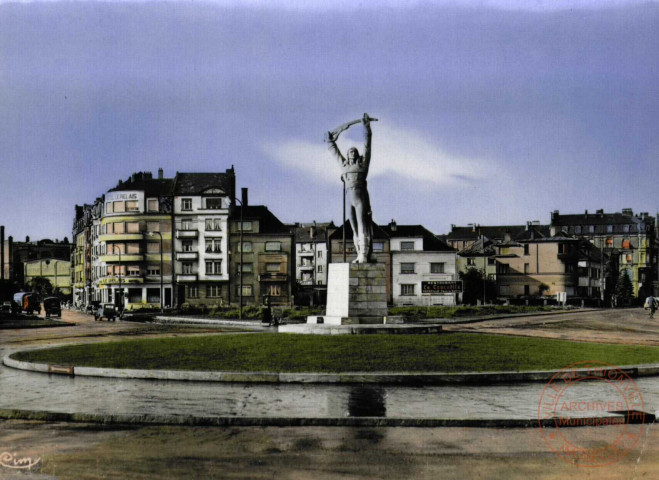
135 243
202 202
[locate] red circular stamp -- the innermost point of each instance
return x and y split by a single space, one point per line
591 394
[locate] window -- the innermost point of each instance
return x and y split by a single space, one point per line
134 295
245 226
437 268
272 246
213 290
274 290
152 204
153 295
186 224
570 268
214 203
153 247
407 245
406 268
119 227
133 227
320 269
186 204
407 289
591 228
378 246
108 207
213 245
214 267
625 228
247 267
153 270
273 267
491 261
133 248
187 268
213 224
118 207
526 268
320 254
503 268
526 249
471 262
306 277
193 291
246 247
577 229
131 206
247 290
186 245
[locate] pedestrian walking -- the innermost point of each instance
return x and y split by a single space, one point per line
651 305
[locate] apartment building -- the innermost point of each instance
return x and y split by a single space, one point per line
261 261
630 238
202 202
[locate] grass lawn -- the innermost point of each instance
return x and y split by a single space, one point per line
454 352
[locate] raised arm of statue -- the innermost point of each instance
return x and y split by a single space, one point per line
367 140
335 149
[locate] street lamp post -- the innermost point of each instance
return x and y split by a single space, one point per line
121 296
162 308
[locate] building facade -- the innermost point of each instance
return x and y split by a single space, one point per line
56 271
202 202
311 256
423 268
262 259
630 238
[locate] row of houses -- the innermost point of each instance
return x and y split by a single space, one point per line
188 239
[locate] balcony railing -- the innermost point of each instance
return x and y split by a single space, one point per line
187 233
124 257
187 255
186 277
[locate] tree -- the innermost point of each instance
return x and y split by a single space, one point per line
624 290
473 283
41 286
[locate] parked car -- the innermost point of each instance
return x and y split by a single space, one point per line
6 307
27 302
107 311
52 307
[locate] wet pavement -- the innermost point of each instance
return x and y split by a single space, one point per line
35 391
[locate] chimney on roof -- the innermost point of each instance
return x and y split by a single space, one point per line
27 239
392 225
160 173
244 198
628 211
600 212
554 216
147 175
586 213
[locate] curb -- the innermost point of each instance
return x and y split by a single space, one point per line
153 420
485 318
414 379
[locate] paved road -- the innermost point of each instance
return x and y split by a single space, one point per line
34 391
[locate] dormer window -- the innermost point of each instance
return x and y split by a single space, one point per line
213 203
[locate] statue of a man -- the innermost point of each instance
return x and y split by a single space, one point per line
355 170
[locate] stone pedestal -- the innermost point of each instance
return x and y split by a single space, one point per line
356 294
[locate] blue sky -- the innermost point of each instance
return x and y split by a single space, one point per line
490 112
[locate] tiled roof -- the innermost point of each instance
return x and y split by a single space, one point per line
378 233
493 232
303 233
268 223
150 186
197 183
430 242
